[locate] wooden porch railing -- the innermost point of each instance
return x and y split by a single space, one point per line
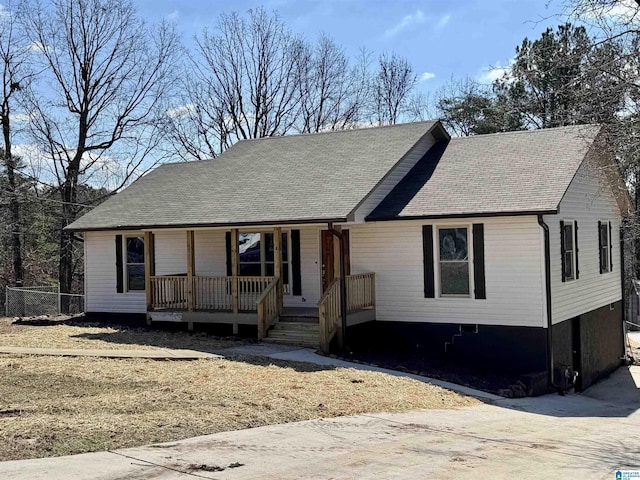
268 310
329 314
212 293
361 291
171 292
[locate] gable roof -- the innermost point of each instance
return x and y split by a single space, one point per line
288 179
497 174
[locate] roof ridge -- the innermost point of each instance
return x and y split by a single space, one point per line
535 130
344 130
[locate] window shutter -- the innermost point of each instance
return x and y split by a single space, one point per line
600 243
296 287
119 269
478 261
610 249
427 257
228 249
562 251
575 230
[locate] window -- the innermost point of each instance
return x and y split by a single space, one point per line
604 243
134 272
454 261
256 256
569 249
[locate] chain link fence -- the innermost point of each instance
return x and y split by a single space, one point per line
42 300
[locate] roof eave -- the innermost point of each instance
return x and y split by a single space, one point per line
207 225
464 215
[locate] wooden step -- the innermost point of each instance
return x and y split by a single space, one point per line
294 326
299 319
295 333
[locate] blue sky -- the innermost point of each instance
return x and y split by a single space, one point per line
440 38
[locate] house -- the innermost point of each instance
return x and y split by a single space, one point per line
503 249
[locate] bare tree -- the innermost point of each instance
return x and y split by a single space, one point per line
331 95
108 73
394 81
249 70
15 55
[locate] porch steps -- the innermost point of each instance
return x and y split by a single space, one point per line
288 331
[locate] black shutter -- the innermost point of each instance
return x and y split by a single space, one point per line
478 261
610 249
600 244
427 257
575 229
119 269
296 287
562 251
228 241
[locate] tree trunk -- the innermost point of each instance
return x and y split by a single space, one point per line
69 194
14 204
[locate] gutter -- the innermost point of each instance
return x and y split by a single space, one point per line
547 275
343 285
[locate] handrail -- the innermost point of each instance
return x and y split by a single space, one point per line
267 306
361 291
329 314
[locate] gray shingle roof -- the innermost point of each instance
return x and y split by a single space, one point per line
274 180
505 173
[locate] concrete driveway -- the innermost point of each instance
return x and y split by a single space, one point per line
573 437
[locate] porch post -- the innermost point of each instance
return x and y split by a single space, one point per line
149 268
191 267
337 273
234 276
277 266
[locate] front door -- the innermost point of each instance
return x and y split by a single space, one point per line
329 267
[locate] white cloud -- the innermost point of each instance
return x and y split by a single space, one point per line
173 15
622 9
491 74
444 20
407 21
427 76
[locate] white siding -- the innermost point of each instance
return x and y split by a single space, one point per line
211 253
309 269
100 276
393 177
513 271
170 252
587 200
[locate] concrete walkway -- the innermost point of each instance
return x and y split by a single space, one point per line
587 436
158 354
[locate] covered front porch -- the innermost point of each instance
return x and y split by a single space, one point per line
261 300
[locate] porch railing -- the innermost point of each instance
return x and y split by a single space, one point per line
209 293
268 310
170 292
212 293
361 294
329 314
361 291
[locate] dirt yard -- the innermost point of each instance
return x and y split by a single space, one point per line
53 406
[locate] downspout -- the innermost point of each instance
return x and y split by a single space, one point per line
343 284
547 278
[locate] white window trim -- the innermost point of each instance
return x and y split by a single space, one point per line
263 258
125 265
436 256
608 254
573 250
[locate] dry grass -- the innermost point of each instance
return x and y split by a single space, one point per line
56 406
79 335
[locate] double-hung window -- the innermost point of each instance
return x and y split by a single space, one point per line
454 261
604 244
256 256
134 263
569 250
